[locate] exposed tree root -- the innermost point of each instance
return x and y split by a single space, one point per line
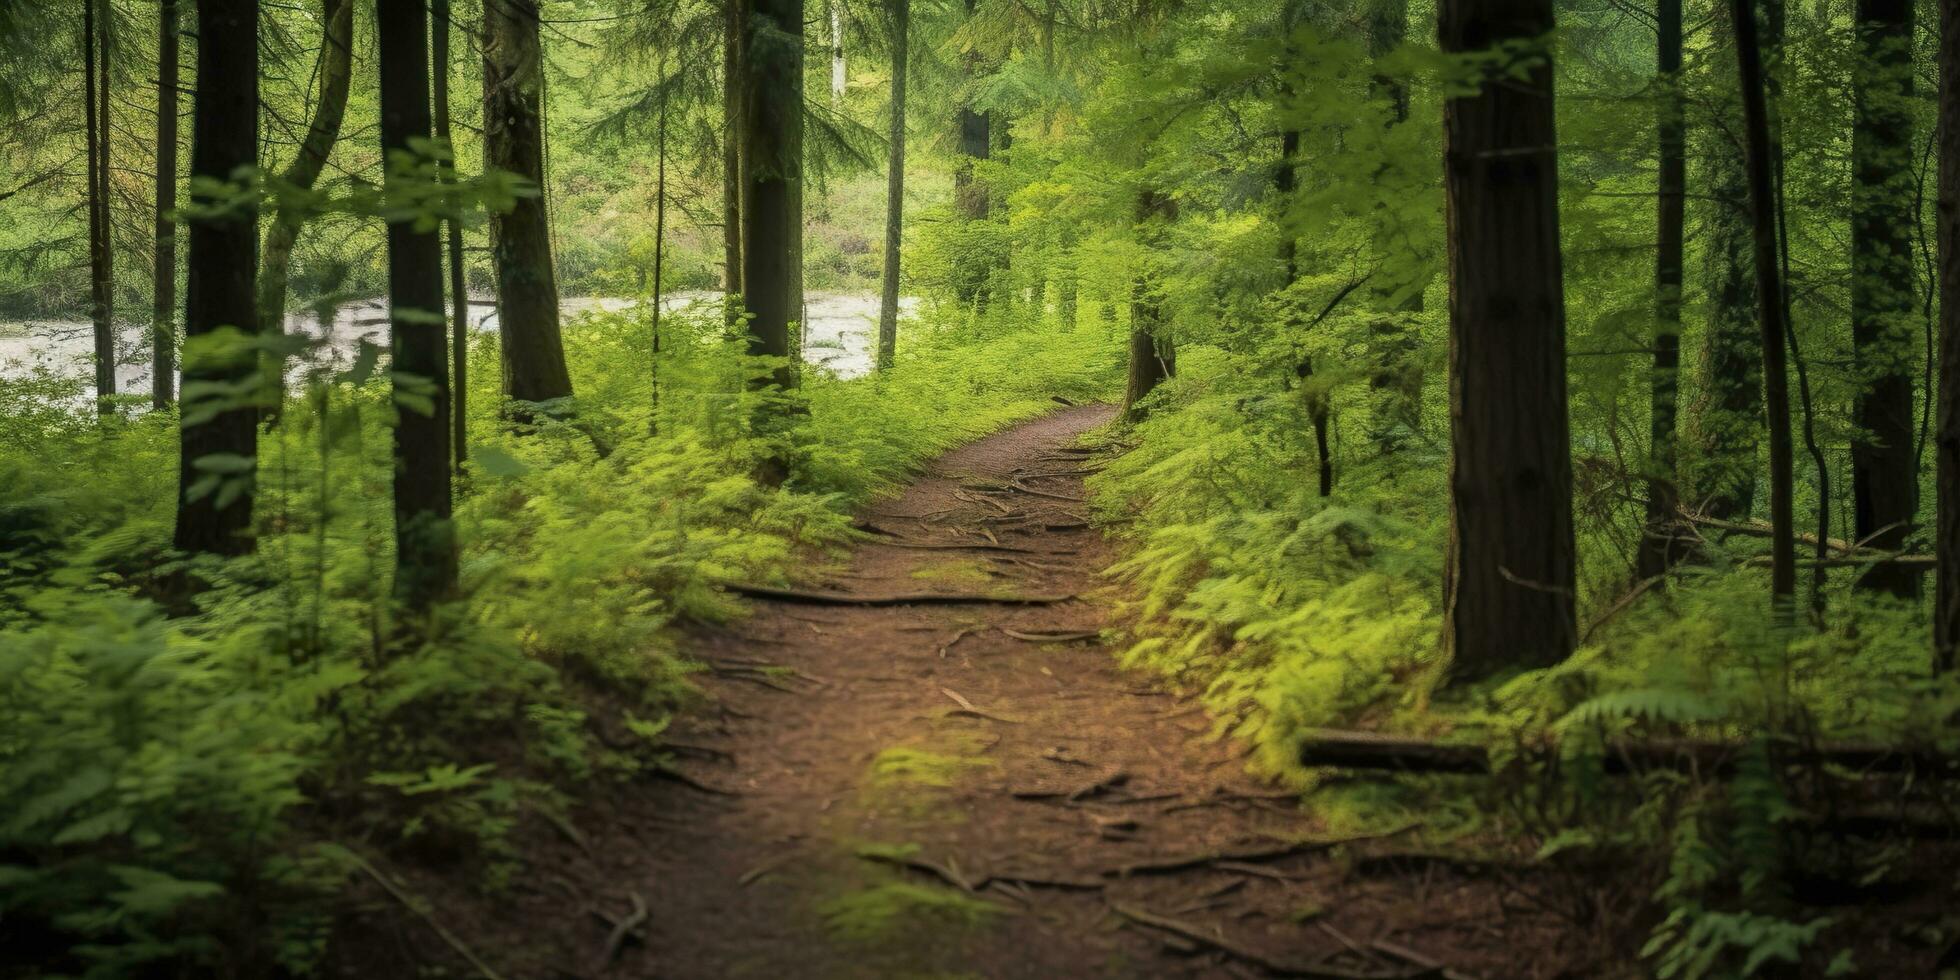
1243 856
900 599
1216 940
624 928
410 903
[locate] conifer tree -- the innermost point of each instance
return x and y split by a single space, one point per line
1510 582
425 541
900 15
1884 457
163 316
219 431
520 238
1661 541
335 70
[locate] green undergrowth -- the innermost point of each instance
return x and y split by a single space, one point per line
1291 612
187 777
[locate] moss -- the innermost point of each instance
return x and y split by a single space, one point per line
881 911
903 765
966 571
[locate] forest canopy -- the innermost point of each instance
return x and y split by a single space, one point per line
1524 433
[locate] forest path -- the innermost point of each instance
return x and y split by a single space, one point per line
1048 803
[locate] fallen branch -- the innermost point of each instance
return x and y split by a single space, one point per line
1074 637
669 772
1369 750
408 902
900 599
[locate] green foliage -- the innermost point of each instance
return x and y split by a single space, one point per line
168 769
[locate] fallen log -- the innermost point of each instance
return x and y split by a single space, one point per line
1369 750
900 599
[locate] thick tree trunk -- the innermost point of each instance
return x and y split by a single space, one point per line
425 537
1884 463
901 26
459 287
163 314
774 152
335 70
1153 354
218 458
1662 543
101 250
1509 587
520 239
1946 610
1769 293
733 180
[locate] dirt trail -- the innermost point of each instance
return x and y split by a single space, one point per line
1044 799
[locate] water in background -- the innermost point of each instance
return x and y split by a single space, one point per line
842 335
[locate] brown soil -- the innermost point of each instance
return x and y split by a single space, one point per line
1062 818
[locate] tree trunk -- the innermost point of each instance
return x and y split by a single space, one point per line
1153 354
425 537
218 457
1397 378
733 180
1884 467
659 252
520 239
976 143
1769 292
101 251
1510 582
1728 417
1284 180
163 316
901 25
335 69
774 153
1946 612
839 73
459 287
1662 544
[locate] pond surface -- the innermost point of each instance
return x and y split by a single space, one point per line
842 334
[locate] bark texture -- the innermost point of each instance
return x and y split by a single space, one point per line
520 239
773 146
901 27
1884 457
425 537
1153 354
218 457
459 289
1509 587
163 314
101 250
335 69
